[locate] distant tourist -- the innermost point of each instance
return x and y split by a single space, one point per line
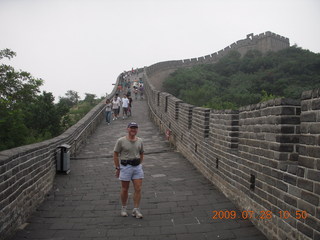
108 111
135 92
125 106
119 99
115 107
130 106
141 90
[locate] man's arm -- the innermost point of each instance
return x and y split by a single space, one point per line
141 157
116 159
116 163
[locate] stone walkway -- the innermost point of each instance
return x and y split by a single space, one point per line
177 201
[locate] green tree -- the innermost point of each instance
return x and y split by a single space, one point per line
233 81
17 90
90 98
65 103
43 117
73 97
13 131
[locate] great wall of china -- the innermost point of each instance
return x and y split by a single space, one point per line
264 157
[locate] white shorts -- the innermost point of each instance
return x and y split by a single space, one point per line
129 172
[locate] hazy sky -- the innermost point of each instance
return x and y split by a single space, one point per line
83 45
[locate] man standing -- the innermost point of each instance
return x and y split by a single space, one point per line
130 150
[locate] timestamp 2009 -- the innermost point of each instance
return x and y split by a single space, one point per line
226 214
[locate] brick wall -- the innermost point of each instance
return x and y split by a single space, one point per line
306 190
264 157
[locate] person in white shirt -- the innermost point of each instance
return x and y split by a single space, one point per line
120 101
115 108
125 105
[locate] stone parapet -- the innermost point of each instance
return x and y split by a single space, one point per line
264 157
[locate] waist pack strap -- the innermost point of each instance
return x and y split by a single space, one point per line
133 162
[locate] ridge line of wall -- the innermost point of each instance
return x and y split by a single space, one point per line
263 42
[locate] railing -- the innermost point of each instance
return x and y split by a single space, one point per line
79 139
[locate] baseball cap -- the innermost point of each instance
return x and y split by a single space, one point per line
132 124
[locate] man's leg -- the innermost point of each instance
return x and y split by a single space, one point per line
108 116
124 197
124 192
137 183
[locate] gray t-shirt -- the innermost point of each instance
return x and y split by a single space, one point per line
129 149
108 107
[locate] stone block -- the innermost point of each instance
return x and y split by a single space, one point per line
281 156
306 206
316 235
306 95
290 200
268 162
310 197
305 229
290 120
308 117
286 101
313 175
276 174
294 191
282 147
305 184
291 179
315 104
282 185
314 128
287 129
305 106
292 138
306 161
294 156
315 93
312 222
300 172
307 139
313 151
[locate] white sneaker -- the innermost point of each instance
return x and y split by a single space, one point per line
124 212
136 213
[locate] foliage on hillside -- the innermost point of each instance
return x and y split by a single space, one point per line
28 116
234 81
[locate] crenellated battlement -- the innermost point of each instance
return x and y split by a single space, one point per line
263 157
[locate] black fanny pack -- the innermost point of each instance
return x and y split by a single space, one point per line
133 162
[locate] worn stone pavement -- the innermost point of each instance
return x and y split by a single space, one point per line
177 201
